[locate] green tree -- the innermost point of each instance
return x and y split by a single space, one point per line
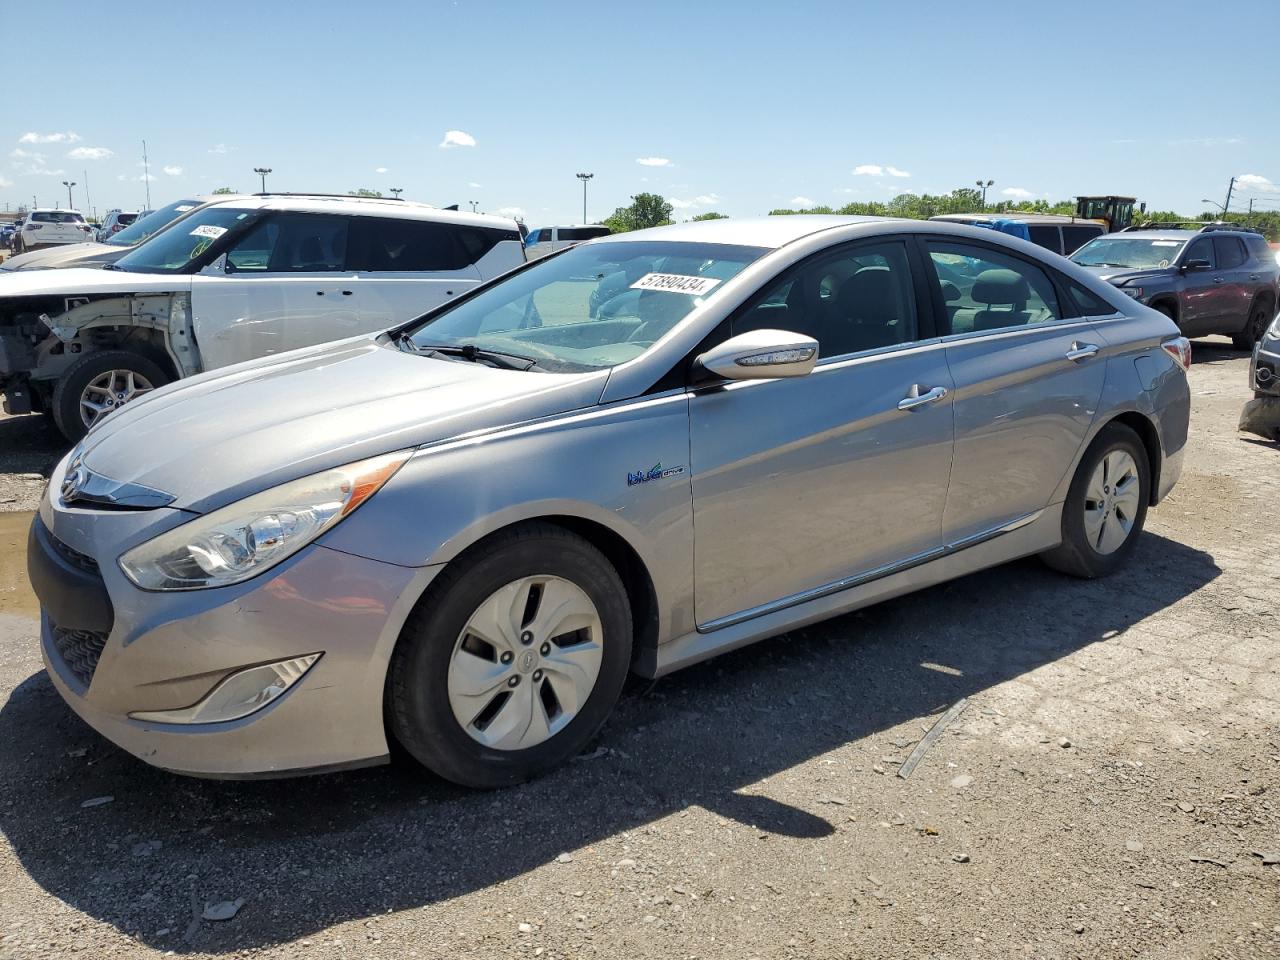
646 210
712 215
363 192
221 190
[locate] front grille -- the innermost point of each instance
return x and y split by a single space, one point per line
74 557
80 650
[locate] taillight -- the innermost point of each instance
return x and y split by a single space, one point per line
1180 349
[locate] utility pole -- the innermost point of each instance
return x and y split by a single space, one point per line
87 202
1226 206
584 177
146 173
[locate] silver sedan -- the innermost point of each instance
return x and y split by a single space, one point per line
632 455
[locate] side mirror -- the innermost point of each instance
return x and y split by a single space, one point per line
1196 264
761 355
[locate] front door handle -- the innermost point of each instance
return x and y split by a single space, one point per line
1081 351
1217 279
918 399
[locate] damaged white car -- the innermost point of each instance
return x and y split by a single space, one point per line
236 280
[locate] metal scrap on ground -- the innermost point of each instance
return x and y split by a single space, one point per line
934 733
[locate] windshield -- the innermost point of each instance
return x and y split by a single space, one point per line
174 251
595 306
151 223
1134 252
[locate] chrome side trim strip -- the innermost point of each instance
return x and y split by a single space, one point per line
857 580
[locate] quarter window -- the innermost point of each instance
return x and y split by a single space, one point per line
858 299
988 290
1229 251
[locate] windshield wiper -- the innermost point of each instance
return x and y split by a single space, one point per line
473 354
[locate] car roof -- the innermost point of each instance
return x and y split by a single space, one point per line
1017 217
1161 234
771 232
363 206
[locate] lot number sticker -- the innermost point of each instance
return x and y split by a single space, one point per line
212 232
675 283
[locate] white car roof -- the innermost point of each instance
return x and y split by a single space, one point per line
366 206
771 232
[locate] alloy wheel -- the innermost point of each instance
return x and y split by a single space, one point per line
110 390
1111 501
525 663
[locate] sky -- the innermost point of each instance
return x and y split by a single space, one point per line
738 107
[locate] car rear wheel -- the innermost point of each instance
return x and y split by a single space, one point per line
1252 333
99 383
513 660
1106 506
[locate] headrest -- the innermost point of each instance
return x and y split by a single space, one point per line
1001 286
950 292
869 292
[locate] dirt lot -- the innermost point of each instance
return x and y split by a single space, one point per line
1110 791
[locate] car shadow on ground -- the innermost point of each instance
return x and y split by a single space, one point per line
308 853
30 444
1215 350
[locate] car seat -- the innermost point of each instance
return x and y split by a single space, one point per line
868 314
1006 288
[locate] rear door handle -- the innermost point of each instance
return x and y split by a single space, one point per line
1081 351
917 399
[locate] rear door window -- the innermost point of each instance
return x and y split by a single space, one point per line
1229 251
988 290
396 245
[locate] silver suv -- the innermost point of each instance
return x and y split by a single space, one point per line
462 534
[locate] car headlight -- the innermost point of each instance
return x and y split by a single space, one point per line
1135 292
245 538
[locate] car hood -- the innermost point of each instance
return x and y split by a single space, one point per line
1122 275
68 255
220 436
84 280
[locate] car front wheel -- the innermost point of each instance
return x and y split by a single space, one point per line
513 660
1106 505
99 383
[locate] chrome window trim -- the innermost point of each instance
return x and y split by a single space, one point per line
1025 329
877 573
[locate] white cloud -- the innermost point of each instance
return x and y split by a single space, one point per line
67 137
219 148
457 138
146 178
1255 181
878 170
1208 141
89 153
380 170
1017 193
653 161
515 213
475 186
173 170
5 183
702 200
140 178
802 201
19 153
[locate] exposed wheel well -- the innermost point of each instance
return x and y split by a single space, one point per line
1266 298
1146 431
1167 305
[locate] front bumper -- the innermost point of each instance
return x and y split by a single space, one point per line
165 651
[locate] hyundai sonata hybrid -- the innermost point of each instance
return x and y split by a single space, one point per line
461 534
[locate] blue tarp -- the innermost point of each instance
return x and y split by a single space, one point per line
1015 228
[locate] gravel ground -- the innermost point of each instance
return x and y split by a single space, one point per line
1111 790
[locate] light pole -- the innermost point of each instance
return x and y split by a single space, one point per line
69 184
1215 204
262 172
983 187
584 177
397 191
474 204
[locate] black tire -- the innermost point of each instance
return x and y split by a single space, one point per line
1253 330
418 709
74 380
1167 309
1076 555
